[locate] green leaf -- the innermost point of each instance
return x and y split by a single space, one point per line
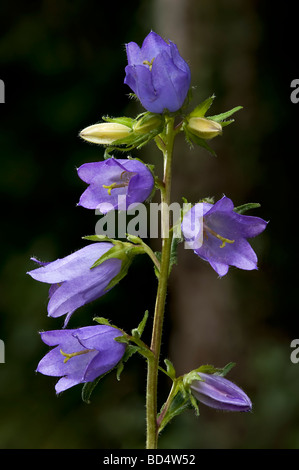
246 207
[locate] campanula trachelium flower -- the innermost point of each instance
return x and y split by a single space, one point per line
157 74
73 282
112 178
224 235
80 355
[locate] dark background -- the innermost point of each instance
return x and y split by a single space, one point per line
62 63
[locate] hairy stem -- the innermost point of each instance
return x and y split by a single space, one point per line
153 362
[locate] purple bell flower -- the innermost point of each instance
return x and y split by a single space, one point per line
217 392
157 74
74 284
223 235
115 184
81 355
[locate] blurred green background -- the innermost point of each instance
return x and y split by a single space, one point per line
62 63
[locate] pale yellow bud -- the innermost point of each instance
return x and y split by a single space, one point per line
204 128
105 133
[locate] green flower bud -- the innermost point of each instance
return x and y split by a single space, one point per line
204 128
105 133
147 124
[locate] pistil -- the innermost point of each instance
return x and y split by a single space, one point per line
215 234
68 356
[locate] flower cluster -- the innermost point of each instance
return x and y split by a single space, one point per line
217 232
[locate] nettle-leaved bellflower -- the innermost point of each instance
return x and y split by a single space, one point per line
74 283
157 74
115 184
224 235
217 392
81 355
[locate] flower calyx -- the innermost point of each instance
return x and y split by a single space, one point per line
199 128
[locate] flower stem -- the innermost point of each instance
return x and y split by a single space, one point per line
153 362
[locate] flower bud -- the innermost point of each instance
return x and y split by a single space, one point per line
105 133
204 128
217 392
144 126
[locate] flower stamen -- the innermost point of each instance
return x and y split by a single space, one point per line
215 234
68 356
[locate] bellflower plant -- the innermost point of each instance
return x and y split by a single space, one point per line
217 232
110 179
80 355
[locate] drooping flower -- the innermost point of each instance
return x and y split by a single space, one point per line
223 235
81 355
73 282
217 392
110 181
157 74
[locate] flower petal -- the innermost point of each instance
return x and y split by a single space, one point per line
83 289
72 266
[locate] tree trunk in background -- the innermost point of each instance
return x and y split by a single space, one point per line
218 40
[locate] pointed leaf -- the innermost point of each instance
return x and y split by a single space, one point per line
222 116
202 108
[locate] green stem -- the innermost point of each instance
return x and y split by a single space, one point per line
153 362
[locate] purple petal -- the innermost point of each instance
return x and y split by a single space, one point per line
72 266
86 288
153 45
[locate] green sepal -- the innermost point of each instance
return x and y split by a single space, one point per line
170 370
137 332
179 403
202 108
126 121
194 139
99 238
102 321
221 117
89 387
130 350
136 139
246 207
120 250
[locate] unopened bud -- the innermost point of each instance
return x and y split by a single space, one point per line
204 128
144 126
105 133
